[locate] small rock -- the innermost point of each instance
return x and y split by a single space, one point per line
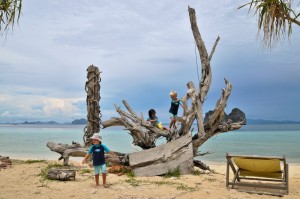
93 191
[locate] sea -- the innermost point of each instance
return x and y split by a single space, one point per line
29 141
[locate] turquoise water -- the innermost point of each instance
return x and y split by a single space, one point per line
29 141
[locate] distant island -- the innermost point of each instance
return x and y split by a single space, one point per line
260 121
79 121
83 121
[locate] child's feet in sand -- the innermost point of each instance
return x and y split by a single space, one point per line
95 186
105 186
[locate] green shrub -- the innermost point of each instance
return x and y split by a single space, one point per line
173 173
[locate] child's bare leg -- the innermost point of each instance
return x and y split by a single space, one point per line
104 180
97 179
172 122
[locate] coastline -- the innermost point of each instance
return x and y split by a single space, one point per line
22 179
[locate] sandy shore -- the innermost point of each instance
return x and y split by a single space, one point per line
22 180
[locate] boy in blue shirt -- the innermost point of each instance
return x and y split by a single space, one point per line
97 151
174 108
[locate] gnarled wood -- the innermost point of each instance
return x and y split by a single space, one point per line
92 88
144 135
76 150
65 150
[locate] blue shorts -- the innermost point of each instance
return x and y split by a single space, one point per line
173 116
100 167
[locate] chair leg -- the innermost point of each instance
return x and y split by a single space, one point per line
287 178
235 177
227 174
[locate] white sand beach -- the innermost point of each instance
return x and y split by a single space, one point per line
22 180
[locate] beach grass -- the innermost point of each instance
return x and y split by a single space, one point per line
83 171
173 173
130 174
32 161
179 186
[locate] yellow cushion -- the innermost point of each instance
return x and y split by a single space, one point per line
277 175
258 165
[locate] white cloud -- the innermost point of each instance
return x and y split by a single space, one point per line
63 107
5 114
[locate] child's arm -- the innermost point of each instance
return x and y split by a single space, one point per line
181 105
85 157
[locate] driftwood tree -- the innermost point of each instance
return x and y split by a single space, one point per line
182 145
145 135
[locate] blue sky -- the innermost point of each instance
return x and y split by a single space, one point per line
144 49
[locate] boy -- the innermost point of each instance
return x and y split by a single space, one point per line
97 151
174 108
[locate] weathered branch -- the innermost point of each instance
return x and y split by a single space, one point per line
144 135
201 165
214 48
213 124
205 64
65 150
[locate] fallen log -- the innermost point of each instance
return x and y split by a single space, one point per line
61 174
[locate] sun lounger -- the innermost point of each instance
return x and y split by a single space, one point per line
258 174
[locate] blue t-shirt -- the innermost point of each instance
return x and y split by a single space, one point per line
97 145
179 102
97 151
174 106
153 123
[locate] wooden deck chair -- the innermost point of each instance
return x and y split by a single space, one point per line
258 174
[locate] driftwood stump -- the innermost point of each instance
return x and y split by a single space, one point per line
61 174
92 88
5 162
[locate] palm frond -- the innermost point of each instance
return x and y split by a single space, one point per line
10 12
274 19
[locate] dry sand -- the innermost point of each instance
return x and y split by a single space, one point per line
22 181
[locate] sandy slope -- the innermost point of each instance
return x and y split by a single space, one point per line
22 181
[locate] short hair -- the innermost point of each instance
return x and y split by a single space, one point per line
151 112
173 93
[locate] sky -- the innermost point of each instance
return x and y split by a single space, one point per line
144 49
